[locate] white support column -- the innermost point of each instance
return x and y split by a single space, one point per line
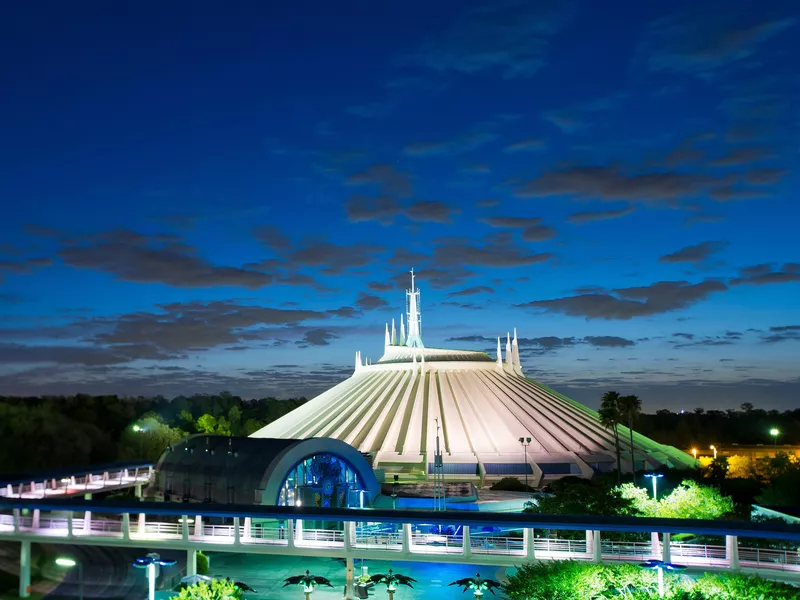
198 525
529 541
407 541
466 545
25 569
185 528
141 524
248 526
87 522
666 552
35 519
290 532
655 545
69 524
137 491
237 536
597 547
349 535
589 543
17 519
126 526
732 551
191 563
349 591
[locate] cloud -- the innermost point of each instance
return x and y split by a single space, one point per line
764 176
695 253
272 237
628 303
526 145
703 46
726 193
532 230
741 156
471 291
360 209
701 218
333 259
457 145
377 286
370 302
430 211
609 341
81 355
131 256
487 255
317 337
599 215
509 36
608 183
487 203
386 178
765 274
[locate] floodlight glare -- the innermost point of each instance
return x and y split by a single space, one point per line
65 562
655 477
774 432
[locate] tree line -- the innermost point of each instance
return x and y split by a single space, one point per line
40 433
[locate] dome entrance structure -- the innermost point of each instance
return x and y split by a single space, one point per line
483 406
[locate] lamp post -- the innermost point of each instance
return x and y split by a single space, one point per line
775 432
525 441
661 566
714 448
68 563
151 562
694 453
139 429
655 477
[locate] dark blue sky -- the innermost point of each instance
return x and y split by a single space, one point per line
203 196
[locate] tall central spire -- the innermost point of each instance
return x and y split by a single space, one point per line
414 338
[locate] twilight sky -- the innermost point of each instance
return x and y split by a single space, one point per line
196 200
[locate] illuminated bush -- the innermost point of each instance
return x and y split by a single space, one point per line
689 500
570 580
215 589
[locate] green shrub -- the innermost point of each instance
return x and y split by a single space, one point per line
743 587
202 564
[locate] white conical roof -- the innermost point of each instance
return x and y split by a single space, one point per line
388 409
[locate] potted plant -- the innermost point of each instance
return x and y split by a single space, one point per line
308 581
477 585
392 580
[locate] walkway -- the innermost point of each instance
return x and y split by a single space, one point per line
79 482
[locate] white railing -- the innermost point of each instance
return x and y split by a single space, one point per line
387 541
76 484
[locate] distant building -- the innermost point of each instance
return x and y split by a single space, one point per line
480 407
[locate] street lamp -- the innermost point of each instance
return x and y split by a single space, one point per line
68 563
694 453
714 448
139 429
151 562
775 432
655 477
525 441
661 566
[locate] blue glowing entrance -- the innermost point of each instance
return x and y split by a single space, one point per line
323 480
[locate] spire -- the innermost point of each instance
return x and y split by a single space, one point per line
402 331
358 361
394 334
387 339
509 354
499 354
515 353
414 318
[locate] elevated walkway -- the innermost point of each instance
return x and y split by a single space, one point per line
61 483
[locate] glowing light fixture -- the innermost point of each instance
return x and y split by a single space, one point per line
150 562
694 453
660 566
68 563
655 477
775 432
714 448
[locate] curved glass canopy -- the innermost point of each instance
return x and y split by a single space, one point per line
323 480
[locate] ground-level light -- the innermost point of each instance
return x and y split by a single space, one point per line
655 477
68 563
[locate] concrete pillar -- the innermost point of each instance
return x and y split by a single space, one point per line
597 547
17 519
184 528
141 524
198 525
407 542
137 491
248 526
9 491
666 552
236 532
25 569
349 535
655 548
69 524
290 532
298 531
126 526
466 546
349 589
529 541
191 562
35 519
589 542
732 551
87 522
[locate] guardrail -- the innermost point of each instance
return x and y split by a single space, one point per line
81 483
426 544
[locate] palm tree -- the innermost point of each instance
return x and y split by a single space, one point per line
610 417
477 585
309 581
392 580
630 409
